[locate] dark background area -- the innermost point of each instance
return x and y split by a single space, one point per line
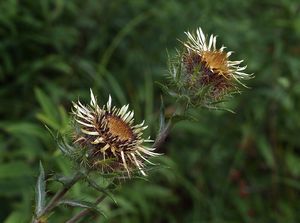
242 167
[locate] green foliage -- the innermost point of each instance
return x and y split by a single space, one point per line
225 167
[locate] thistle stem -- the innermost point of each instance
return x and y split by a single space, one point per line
85 212
58 196
161 137
163 134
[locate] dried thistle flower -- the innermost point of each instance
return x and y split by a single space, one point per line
111 142
203 72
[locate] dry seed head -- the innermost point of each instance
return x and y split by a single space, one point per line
206 65
112 141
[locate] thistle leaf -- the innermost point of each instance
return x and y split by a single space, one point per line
62 144
40 191
61 179
75 203
178 118
82 204
100 189
163 87
166 90
65 148
162 122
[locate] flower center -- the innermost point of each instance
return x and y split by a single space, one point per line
117 127
216 61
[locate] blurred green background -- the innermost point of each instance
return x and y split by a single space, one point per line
242 167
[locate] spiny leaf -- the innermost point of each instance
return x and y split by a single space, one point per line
162 122
62 144
100 189
178 118
61 178
40 191
65 148
82 204
75 203
218 108
166 90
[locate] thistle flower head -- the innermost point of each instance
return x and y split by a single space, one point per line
111 140
205 68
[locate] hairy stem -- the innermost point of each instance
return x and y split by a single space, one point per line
85 212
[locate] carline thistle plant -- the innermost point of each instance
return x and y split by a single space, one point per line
203 73
106 141
109 137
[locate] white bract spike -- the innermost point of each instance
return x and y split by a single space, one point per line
214 42
123 110
109 103
124 162
229 53
211 39
242 68
139 125
138 130
129 117
93 133
125 115
146 151
98 140
137 164
93 99
148 140
137 152
83 123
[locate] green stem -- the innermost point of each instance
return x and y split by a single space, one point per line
85 212
160 139
163 134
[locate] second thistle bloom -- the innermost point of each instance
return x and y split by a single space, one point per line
204 72
111 140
